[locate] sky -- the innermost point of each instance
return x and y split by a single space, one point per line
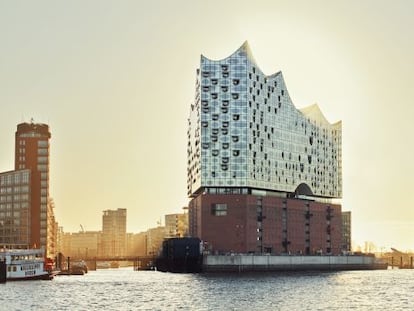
115 81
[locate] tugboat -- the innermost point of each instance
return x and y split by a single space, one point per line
25 264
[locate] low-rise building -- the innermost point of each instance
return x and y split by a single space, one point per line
176 225
81 244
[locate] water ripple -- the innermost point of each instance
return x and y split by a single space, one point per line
124 289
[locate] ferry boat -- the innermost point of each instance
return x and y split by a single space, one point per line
25 264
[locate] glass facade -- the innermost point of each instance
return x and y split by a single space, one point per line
245 132
14 208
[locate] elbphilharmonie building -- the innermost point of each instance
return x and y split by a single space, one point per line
252 156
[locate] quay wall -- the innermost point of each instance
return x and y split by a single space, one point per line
246 263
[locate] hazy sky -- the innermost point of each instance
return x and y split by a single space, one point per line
115 80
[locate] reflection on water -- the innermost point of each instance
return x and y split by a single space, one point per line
125 289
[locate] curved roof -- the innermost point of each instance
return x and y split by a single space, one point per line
245 48
314 113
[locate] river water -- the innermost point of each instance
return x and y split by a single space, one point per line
125 289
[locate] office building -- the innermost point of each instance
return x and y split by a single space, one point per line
176 225
155 237
15 209
82 245
137 244
262 175
26 211
114 232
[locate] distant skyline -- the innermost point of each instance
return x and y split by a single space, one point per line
115 81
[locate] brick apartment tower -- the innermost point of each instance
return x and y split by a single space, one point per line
32 153
263 176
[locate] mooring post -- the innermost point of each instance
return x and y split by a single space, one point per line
3 271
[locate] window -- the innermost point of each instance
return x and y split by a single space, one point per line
42 167
42 160
219 209
42 143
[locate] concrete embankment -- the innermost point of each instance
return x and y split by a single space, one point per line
248 263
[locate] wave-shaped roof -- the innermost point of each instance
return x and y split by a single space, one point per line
245 48
312 112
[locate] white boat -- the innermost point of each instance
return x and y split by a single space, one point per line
24 264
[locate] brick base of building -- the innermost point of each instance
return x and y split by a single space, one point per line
246 223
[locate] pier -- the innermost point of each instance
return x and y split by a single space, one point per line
398 259
3 272
138 262
269 263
